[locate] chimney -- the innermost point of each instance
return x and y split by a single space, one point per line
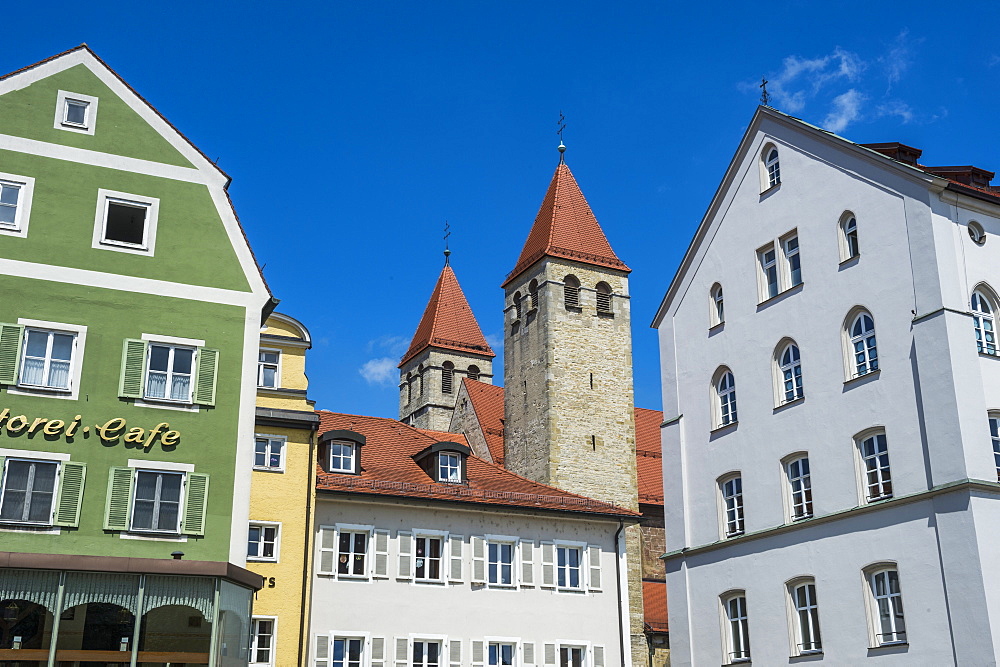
897 151
969 175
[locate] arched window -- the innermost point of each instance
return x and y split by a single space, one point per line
420 380
571 291
533 293
718 313
802 594
517 305
995 436
409 387
976 233
473 372
790 370
885 605
737 632
447 377
873 450
604 298
849 237
731 490
864 351
982 317
800 501
772 166
725 392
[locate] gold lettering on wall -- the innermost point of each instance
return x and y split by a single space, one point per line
110 432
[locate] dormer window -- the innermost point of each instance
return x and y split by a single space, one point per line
342 451
445 462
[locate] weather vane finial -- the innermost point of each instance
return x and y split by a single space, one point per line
562 146
447 233
765 97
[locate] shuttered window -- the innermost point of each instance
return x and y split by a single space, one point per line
156 501
162 372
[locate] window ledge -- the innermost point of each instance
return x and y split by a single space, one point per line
277 470
718 326
857 379
723 429
609 316
574 309
786 404
780 296
850 261
991 356
768 191
252 559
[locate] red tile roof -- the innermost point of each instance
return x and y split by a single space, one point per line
448 321
444 436
649 455
566 227
654 603
487 403
388 469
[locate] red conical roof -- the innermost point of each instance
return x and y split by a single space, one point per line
448 322
566 227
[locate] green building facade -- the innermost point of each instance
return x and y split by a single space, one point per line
128 357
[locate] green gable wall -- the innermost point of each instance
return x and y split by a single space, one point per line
208 437
30 113
192 246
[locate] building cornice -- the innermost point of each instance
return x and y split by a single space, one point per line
967 485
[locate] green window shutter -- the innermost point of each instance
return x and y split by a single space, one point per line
70 499
195 504
10 351
119 502
133 368
204 386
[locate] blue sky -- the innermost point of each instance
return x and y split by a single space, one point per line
353 130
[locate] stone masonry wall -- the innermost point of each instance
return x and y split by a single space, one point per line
432 408
464 420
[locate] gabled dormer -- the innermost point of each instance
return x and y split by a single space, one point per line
340 451
445 462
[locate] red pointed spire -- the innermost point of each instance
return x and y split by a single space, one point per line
448 322
566 227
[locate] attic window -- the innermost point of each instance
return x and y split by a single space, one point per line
76 112
445 462
126 222
449 467
343 451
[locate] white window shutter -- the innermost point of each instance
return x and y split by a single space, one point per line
527 549
550 655
381 569
548 566
455 652
528 654
478 560
322 651
594 566
478 653
405 564
328 551
455 557
598 656
378 651
402 651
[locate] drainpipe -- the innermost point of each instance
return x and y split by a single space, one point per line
618 580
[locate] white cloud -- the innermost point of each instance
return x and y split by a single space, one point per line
495 341
802 78
389 344
898 58
846 110
381 371
896 108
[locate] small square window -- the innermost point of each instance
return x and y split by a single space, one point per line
267 369
76 112
47 359
262 542
342 456
450 468
269 453
125 223
15 204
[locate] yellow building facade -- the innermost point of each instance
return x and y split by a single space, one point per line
282 501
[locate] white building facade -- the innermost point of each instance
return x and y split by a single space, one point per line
829 374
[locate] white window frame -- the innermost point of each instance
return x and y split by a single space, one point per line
271 439
735 649
994 422
442 467
344 635
369 553
804 616
515 562
724 400
849 229
498 641
798 487
584 565
871 363
90 116
170 373
766 267
76 367
353 446
584 646
182 497
254 636
419 534
732 514
260 368
277 541
152 206
897 628
31 458
165 403
771 166
22 213
717 306
441 640
788 375
883 473
790 256
984 308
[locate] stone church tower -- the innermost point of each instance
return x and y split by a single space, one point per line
569 416
447 346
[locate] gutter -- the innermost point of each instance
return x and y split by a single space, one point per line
307 547
618 581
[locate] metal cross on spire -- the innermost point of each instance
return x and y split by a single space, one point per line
765 97
447 233
562 146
